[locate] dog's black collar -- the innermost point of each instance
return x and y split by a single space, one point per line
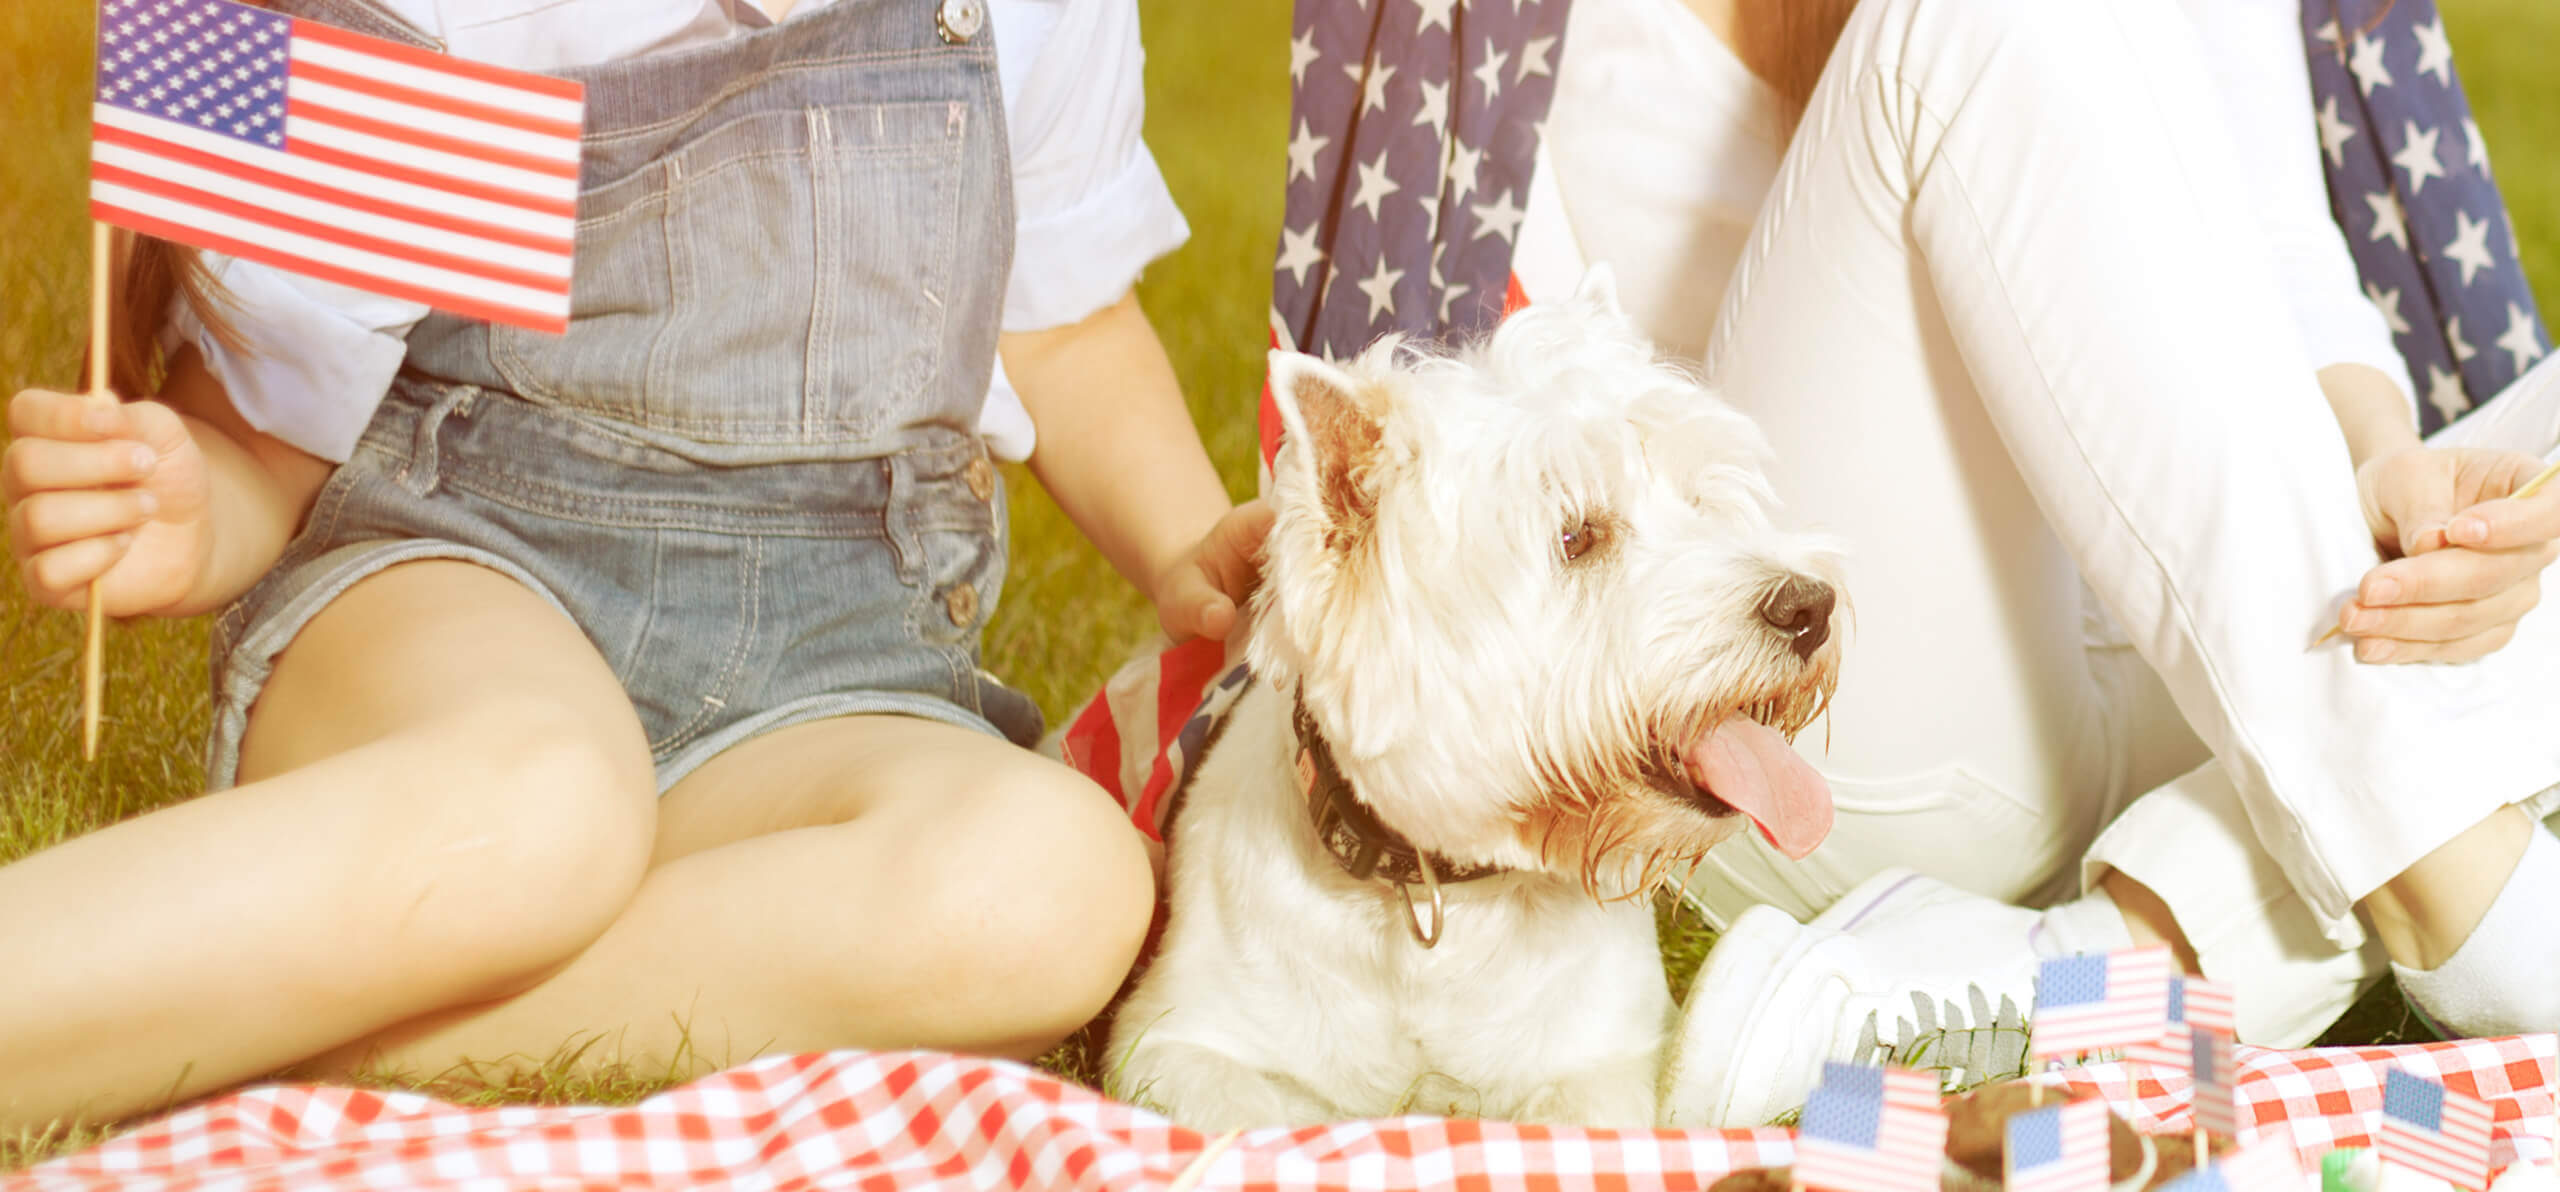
1349 832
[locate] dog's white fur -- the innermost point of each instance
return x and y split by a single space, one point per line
1491 699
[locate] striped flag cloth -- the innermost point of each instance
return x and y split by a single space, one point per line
2062 1148
2217 1082
2091 1003
2434 1130
2192 1000
347 158
1870 1129
2267 1165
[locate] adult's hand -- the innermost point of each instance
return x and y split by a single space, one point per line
2464 557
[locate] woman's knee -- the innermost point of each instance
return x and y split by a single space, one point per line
1043 894
531 843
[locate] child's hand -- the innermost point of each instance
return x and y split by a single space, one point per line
1198 596
117 495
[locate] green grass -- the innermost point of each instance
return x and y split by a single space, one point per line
1216 117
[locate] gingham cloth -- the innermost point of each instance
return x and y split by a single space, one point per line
897 1120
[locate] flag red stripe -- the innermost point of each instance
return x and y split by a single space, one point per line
299 108
461 186
334 235
429 60
396 93
374 283
330 194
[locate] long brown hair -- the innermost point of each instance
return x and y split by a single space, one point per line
152 274
1786 42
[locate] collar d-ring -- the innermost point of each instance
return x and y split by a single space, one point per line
1413 914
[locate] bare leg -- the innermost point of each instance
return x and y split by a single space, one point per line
457 799
876 881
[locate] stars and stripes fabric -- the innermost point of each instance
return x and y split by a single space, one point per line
2095 1003
888 1121
2210 1065
2192 1001
347 158
1164 706
2061 1148
1868 1129
2434 1130
2411 188
2268 1165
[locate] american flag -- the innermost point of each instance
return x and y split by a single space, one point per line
1870 1129
347 158
2063 1148
2434 1130
2192 1001
2217 1082
2267 1165
2089 1003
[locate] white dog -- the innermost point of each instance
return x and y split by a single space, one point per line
1526 643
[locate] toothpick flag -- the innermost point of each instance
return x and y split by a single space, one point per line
2060 1149
2089 1003
1871 1130
347 158
2217 1082
2434 1130
2193 1001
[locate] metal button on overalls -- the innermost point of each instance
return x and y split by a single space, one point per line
961 601
959 20
982 478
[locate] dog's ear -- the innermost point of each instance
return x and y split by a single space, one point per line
1333 419
1599 290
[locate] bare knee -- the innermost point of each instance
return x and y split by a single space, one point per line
534 841
1040 894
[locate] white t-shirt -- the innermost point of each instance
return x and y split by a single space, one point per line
1661 145
1091 209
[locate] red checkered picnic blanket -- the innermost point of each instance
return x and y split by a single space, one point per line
897 1120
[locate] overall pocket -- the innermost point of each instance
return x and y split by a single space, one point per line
778 278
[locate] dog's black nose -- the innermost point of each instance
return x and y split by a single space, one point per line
1799 608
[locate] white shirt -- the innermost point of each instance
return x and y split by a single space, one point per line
1091 209
1661 146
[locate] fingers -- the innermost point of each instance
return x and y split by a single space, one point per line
2506 523
1189 605
48 520
1235 562
2436 623
72 417
60 578
33 465
2453 576
2479 645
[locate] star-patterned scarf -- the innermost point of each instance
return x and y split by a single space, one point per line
2409 184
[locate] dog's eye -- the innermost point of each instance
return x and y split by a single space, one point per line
1579 536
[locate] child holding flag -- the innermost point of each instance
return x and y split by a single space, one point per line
617 686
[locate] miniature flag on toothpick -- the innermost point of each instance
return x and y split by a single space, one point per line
2268 1165
2090 1003
1871 1130
2061 1149
2217 1082
347 158
2434 1130
2193 1001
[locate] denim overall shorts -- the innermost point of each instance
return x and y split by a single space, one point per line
749 472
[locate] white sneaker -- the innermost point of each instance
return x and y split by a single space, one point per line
1904 970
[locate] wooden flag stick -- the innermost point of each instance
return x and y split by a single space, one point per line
2204 1144
93 659
2530 487
1199 1167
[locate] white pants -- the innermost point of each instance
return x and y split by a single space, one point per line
2003 321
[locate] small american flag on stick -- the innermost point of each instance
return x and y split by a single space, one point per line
2064 1148
347 158
2217 1081
2193 1002
2090 1003
2434 1130
1872 1129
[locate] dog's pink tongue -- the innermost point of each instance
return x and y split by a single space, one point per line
1748 765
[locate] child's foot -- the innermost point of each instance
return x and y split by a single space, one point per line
2499 982
1904 970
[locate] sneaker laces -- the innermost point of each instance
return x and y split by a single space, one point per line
1966 1045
